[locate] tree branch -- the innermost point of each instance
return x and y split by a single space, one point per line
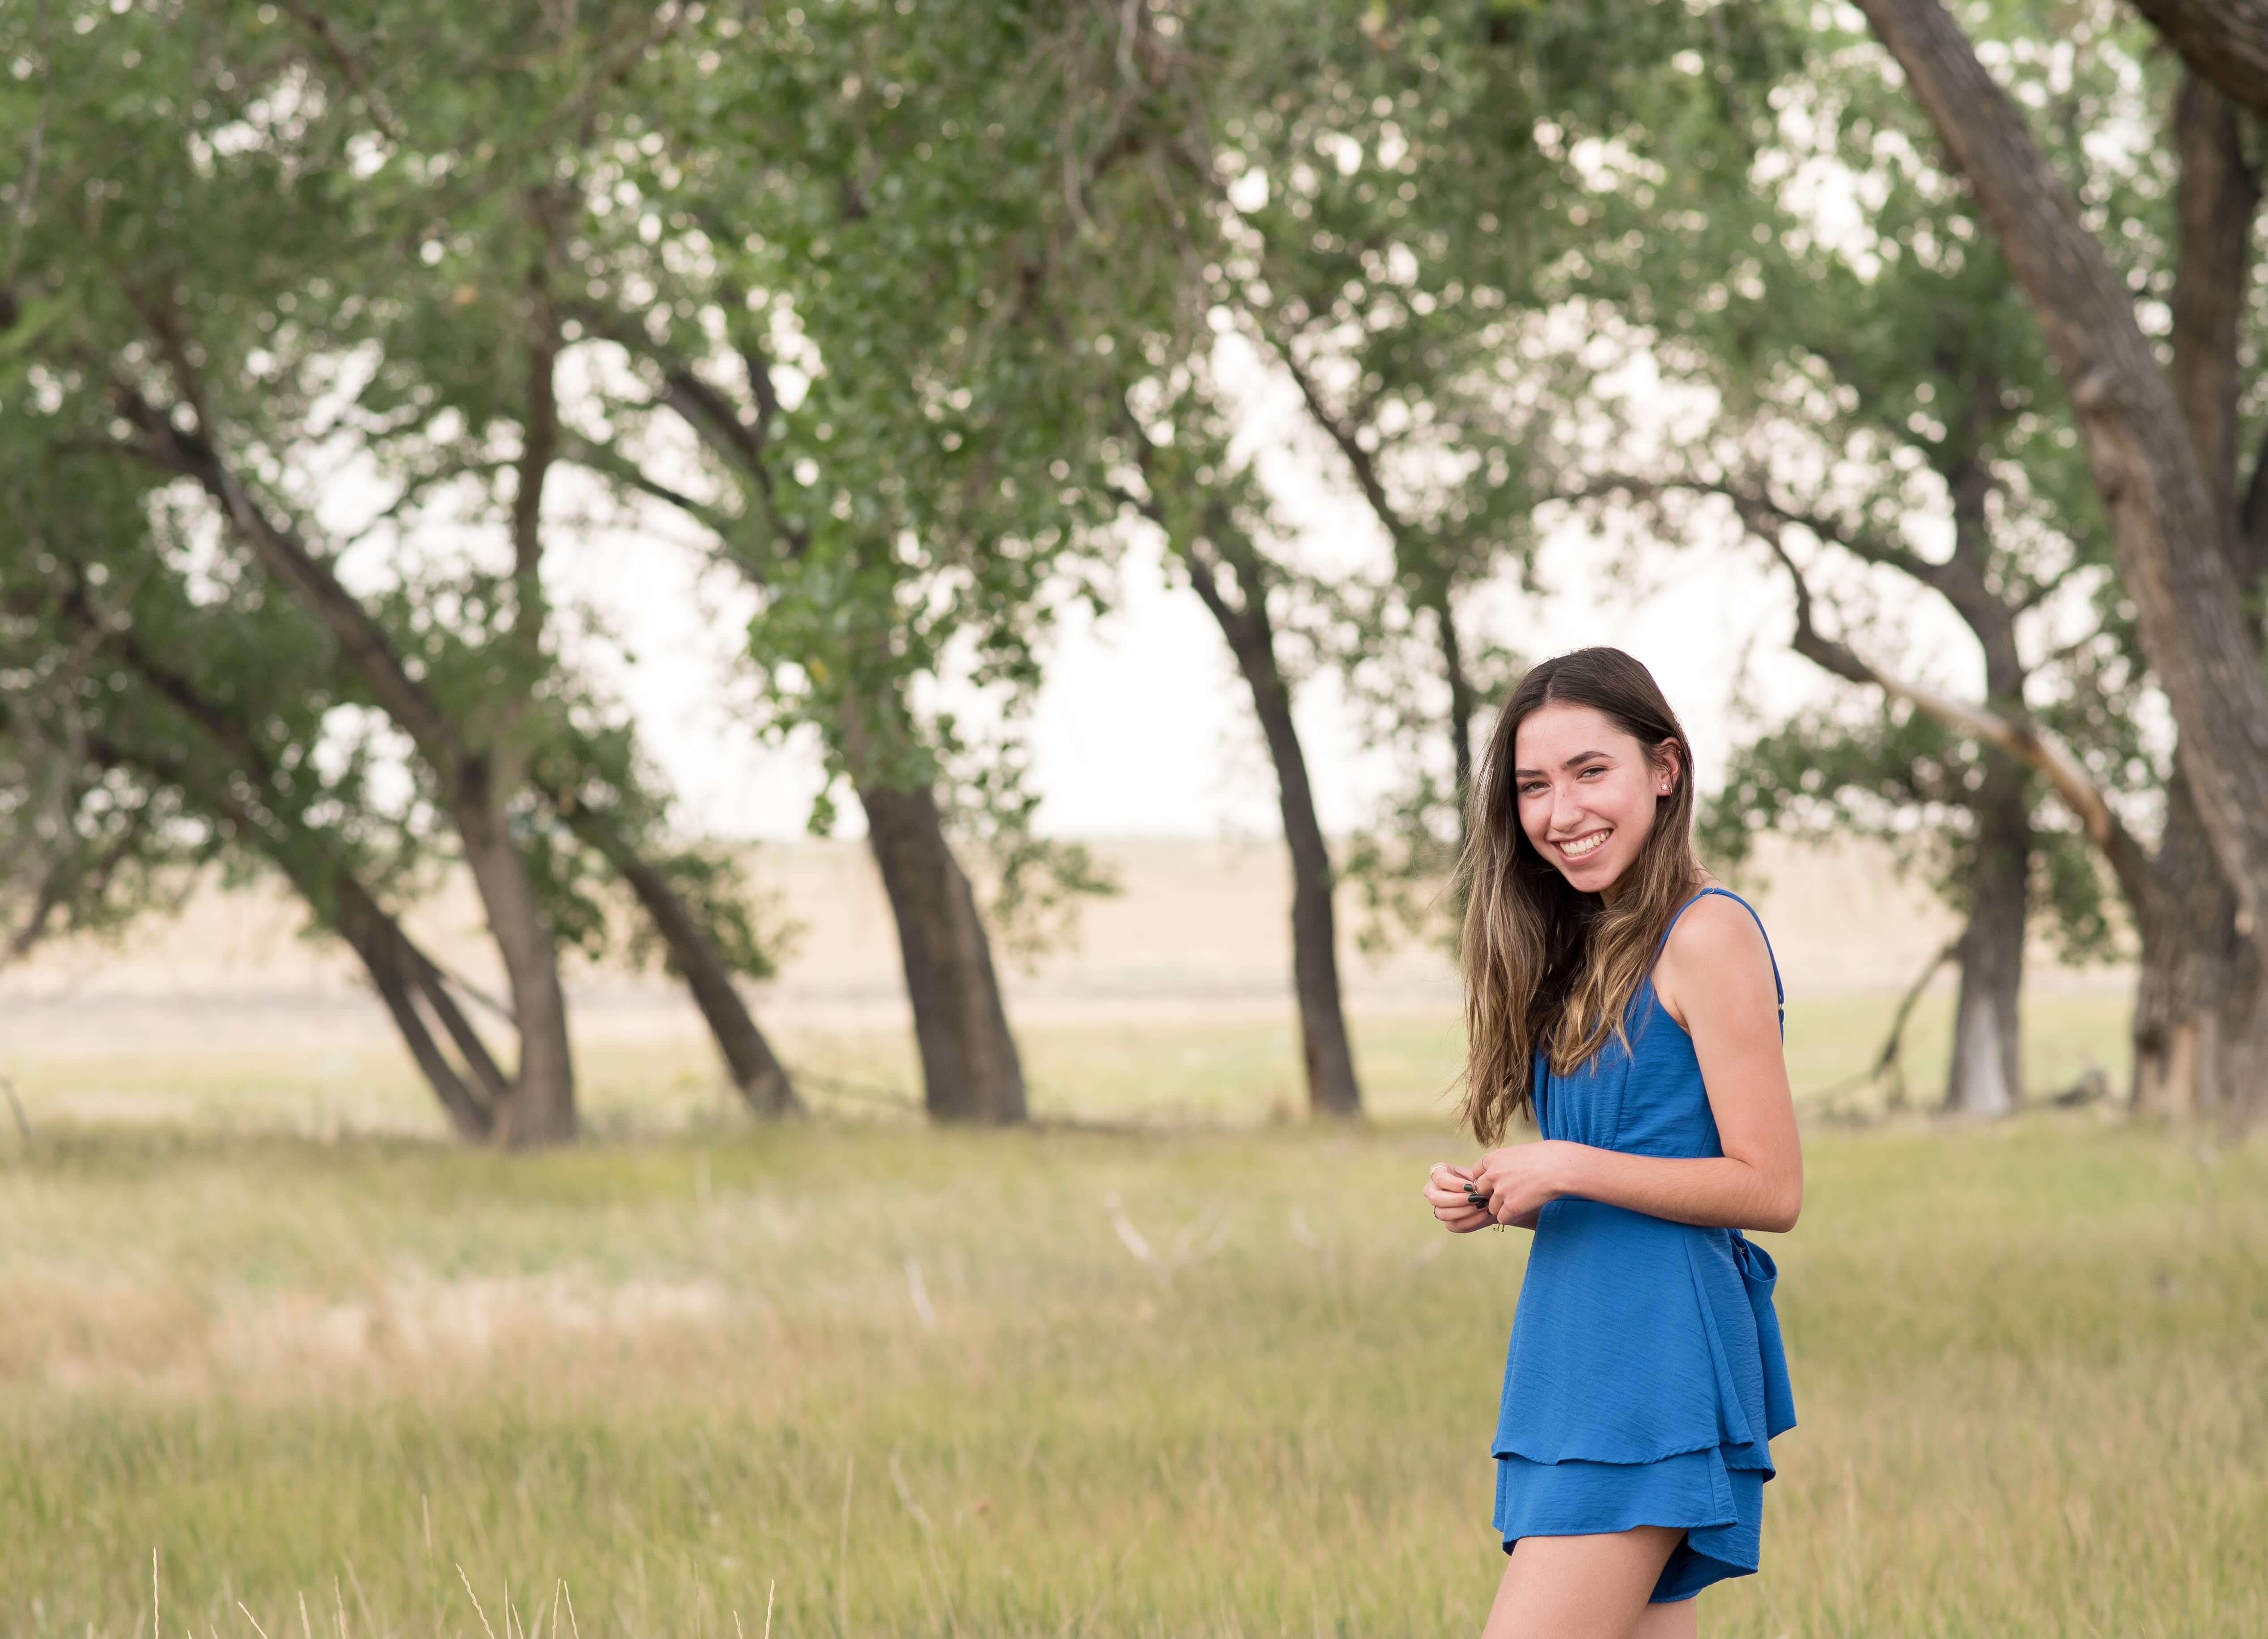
1759 511
286 556
1365 466
609 462
2225 42
2012 735
349 68
711 417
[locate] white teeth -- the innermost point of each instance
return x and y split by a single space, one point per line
1587 845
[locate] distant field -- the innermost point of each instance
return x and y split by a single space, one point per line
1158 1070
899 1382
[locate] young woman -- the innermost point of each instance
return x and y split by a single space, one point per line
1632 1006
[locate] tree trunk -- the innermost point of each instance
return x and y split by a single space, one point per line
1462 706
539 1107
2198 1018
402 974
758 1074
971 1070
2201 1025
1326 1050
1985 1079
398 972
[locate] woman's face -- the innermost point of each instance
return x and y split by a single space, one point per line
1587 792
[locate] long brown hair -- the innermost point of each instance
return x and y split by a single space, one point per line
1546 966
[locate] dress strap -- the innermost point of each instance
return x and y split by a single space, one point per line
1779 990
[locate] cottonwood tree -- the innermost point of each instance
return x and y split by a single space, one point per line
227 262
1211 510
856 270
184 294
197 699
2160 423
1367 216
1425 221
1887 414
193 739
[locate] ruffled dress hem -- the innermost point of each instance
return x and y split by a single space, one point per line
1718 1504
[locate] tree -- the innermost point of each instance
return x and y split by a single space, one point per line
1887 414
2161 439
850 282
1426 223
193 728
1211 510
249 282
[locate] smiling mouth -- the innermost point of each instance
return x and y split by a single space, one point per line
1583 847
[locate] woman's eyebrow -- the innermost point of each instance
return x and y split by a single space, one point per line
1581 756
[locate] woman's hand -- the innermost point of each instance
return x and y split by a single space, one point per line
1520 1179
1445 1192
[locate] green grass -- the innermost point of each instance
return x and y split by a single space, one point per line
687 1372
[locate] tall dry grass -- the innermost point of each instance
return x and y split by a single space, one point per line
1227 1382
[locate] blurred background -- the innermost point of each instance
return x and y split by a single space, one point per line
732 739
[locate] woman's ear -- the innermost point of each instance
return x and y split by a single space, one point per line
1667 772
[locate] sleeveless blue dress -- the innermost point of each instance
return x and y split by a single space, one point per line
1645 1374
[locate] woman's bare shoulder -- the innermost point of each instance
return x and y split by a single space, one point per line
1715 941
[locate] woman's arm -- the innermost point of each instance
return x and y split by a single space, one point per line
1711 1189
1715 978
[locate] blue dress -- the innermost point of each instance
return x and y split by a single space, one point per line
1644 1374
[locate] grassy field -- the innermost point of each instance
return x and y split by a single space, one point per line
1223 1379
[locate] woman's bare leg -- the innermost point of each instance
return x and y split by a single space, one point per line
1589 1587
1674 1618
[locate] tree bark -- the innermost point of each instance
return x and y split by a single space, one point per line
1986 1078
2225 41
2216 198
540 1108
401 974
757 1074
1462 706
2198 1018
1326 1049
2167 528
971 1070
1207 541
1418 561
2200 1027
